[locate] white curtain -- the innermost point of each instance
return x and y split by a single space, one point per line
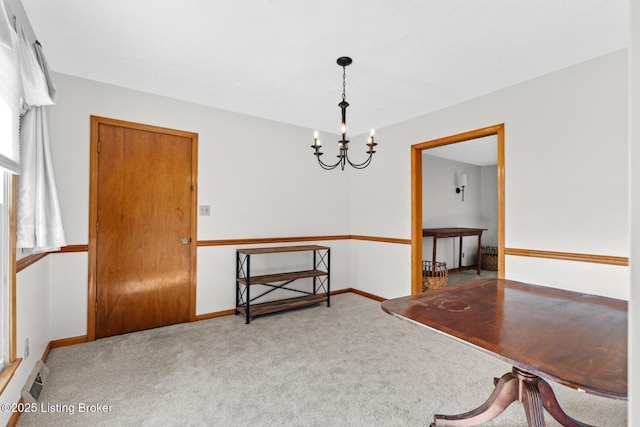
6 35
39 222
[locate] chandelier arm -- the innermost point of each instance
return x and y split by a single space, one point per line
326 166
363 164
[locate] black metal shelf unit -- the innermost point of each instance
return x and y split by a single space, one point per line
321 290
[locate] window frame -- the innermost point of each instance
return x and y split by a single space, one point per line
9 370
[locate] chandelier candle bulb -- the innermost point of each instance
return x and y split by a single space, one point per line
316 141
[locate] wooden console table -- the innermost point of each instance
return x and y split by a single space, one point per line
575 339
440 233
245 280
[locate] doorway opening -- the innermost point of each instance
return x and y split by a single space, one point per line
496 131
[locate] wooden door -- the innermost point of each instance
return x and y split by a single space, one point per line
145 227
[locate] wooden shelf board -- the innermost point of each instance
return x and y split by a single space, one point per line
283 304
281 249
282 277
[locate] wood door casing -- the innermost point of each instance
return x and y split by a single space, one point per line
416 196
142 256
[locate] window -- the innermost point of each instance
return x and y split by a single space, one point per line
9 108
6 121
9 163
8 361
4 271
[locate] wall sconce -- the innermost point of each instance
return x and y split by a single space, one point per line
462 182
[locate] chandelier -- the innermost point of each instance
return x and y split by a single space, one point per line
343 144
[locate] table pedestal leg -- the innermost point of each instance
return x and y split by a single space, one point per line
535 394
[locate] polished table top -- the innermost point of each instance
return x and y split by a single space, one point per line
576 339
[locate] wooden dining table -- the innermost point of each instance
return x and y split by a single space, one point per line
572 338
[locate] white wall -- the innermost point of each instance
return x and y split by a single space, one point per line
443 207
381 268
258 176
565 173
489 204
32 322
68 294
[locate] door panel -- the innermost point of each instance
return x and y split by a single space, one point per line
144 202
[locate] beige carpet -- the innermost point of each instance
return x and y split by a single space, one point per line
348 365
464 276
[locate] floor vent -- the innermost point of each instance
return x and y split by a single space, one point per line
35 383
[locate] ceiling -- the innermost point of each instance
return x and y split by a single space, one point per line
276 59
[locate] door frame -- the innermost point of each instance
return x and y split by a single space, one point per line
96 121
416 197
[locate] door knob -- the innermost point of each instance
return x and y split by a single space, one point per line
184 240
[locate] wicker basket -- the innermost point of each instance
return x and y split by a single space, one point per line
489 260
434 275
